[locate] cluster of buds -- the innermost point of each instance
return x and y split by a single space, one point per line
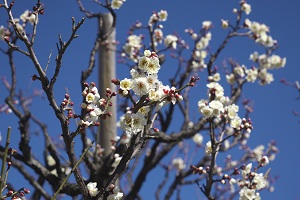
245 127
193 81
172 95
228 178
38 8
16 195
200 170
67 105
94 106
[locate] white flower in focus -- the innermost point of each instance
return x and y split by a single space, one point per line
140 86
246 8
260 181
217 107
202 103
178 163
116 4
153 67
92 188
236 122
152 80
248 194
206 111
162 15
147 53
90 97
144 62
125 84
208 148
171 40
198 139
138 121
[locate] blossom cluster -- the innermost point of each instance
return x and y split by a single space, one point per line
93 105
144 81
219 107
201 43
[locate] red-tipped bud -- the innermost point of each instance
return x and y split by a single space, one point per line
9 193
71 103
34 8
113 94
86 84
115 81
26 191
22 194
110 104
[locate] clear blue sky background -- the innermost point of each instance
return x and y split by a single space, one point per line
273 104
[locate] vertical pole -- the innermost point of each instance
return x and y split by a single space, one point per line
107 71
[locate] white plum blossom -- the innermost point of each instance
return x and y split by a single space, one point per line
132 123
140 86
125 84
246 8
171 40
208 148
204 41
162 15
240 70
178 163
260 181
206 25
153 66
92 188
251 74
230 78
248 194
236 122
144 62
28 16
116 4
224 23
198 139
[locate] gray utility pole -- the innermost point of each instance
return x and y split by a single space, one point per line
107 71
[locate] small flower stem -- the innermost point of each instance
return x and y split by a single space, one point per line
3 181
68 176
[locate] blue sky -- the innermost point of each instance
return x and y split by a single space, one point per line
273 104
